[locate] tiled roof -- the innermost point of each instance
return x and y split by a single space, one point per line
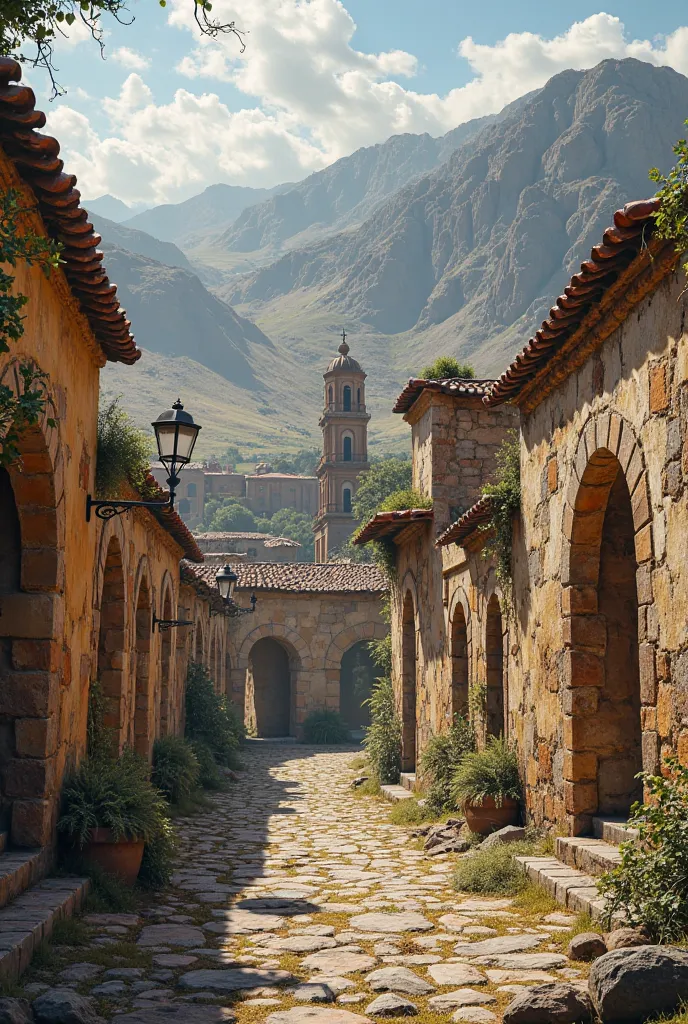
303 577
583 301
387 524
281 476
35 158
172 522
200 578
458 387
477 515
266 538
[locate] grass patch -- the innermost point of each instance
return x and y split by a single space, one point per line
680 1017
371 787
494 872
358 763
410 812
534 900
195 803
69 931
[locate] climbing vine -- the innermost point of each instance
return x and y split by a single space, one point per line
671 220
505 495
385 552
22 406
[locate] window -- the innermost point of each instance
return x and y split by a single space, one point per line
346 499
191 490
358 396
330 395
347 398
347 448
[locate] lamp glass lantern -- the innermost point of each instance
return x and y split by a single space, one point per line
176 434
226 581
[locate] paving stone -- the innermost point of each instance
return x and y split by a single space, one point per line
400 922
177 1014
525 961
474 1015
171 934
534 977
15 1011
106 920
302 943
313 992
109 989
80 972
174 960
461 997
351 998
456 974
62 1006
338 962
315 1015
337 984
391 1005
398 979
502 944
124 973
244 922
233 980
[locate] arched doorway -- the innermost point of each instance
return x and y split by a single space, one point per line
408 686
459 653
271 684
111 644
10 579
199 646
356 676
494 657
213 663
163 723
606 734
142 715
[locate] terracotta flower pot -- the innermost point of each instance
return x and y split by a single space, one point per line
487 817
121 857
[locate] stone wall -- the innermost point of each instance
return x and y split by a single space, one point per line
315 630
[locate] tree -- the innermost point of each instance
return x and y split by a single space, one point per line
298 526
377 483
232 517
302 463
445 367
39 22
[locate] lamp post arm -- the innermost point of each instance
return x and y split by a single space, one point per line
109 507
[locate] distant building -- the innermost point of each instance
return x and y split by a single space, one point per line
255 547
344 425
268 492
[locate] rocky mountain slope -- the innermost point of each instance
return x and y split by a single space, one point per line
468 257
139 242
109 206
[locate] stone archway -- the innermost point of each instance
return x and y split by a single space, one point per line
494 660
459 662
300 664
166 668
602 699
272 688
141 718
408 684
112 643
357 674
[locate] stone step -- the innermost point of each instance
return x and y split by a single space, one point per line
408 780
21 868
29 920
592 856
572 888
395 793
613 830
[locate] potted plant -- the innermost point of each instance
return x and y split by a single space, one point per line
110 811
487 786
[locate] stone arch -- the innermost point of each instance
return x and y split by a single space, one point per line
199 640
111 647
346 638
32 533
280 632
409 660
350 672
607 530
167 660
494 667
141 719
273 666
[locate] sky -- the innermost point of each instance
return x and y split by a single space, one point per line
168 112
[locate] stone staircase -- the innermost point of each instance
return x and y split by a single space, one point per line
403 790
571 875
30 904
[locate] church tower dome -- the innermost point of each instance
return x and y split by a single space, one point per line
344 425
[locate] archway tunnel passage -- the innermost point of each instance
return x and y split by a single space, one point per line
606 729
357 674
272 688
459 652
494 656
408 686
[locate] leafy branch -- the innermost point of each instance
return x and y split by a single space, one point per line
505 501
671 220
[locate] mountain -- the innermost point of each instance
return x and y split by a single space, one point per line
191 222
467 258
140 242
108 206
174 314
344 193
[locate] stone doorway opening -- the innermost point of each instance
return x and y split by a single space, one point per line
166 663
10 580
141 716
603 697
494 657
270 685
459 652
408 686
111 644
357 674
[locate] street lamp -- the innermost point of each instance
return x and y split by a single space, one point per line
226 581
175 434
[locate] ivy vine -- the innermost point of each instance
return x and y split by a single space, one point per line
24 405
505 497
671 220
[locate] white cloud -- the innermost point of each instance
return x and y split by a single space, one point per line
314 98
130 59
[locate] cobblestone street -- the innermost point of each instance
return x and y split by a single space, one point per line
297 900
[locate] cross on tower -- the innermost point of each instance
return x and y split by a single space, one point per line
343 335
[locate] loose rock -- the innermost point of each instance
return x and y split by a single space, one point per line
183 935
550 1004
177 1014
233 980
461 997
626 938
315 1015
456 974
391 923
398 979
474 1015
508 834
62 1006
314 992
586 946
391 1005
15 1011
634 984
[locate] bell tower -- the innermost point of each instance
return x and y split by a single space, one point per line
344 424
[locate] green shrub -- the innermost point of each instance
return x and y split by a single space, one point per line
650 885
409 812
447 367
175 767
491 772
209 776
211 718
383 737
325 726
123 453
493 871
158 858
505 498
440 760
115 794
381 653
98 741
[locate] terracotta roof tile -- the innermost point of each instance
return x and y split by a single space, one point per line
477 515
35 158
302 577
621 244
458 387
269 540
203 583
172 522
387 524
